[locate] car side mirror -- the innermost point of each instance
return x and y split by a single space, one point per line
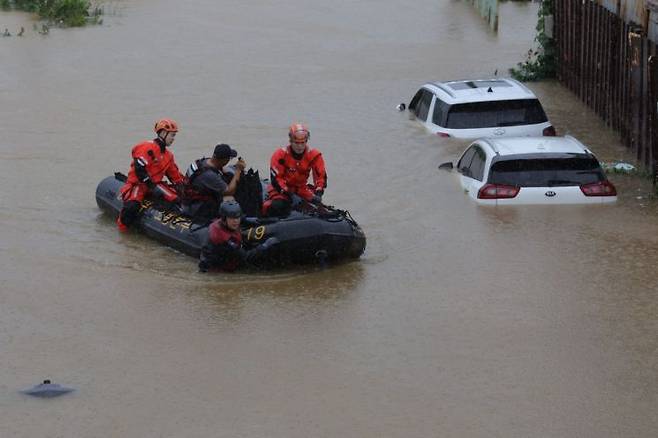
446 166
401 107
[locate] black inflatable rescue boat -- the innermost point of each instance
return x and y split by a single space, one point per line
314 234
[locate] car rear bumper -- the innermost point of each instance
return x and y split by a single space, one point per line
550 196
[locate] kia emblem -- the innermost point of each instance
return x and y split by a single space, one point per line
550 193
499 131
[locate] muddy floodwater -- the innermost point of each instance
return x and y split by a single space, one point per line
458 321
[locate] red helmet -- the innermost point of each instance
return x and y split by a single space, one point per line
298 133
168 125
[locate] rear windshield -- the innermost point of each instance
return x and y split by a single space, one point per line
497 113
547 172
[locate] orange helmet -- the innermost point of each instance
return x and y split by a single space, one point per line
168 125
298 133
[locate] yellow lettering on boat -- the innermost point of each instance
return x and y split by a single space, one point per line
257 234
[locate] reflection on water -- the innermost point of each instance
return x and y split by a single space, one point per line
468 320
308 293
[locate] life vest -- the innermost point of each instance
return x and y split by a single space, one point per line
290 174
227 243
192 193
218 234
158 162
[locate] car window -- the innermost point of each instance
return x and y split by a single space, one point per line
440 111
464 164
547 172
423 106
477 164
414 100
495 113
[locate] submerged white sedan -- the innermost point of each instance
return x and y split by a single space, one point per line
533 170
496 107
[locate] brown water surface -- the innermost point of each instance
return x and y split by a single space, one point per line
459 321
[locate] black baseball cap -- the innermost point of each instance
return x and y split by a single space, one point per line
223 151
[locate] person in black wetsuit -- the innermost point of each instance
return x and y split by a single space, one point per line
223 248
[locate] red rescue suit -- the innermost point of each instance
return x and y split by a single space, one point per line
152 161
289 173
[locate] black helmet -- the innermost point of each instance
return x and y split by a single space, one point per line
230 209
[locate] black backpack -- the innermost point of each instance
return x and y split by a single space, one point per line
249 193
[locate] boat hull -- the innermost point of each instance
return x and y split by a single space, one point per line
302 237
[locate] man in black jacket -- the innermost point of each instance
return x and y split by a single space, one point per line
208 184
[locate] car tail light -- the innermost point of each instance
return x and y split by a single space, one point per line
548 132
497 191
443 134
601 188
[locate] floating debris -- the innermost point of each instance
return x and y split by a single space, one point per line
47 390
624 167
619 166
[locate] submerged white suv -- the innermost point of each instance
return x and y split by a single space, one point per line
480 108
533 170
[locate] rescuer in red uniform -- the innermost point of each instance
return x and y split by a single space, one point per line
152 161
290 168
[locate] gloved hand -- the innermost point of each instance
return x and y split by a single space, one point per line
269 243
295 200
317 197
255 254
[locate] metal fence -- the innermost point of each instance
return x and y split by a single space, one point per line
611 66
488 10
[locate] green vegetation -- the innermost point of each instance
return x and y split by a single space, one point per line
541 63
62 12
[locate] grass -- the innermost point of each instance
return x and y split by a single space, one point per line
67 13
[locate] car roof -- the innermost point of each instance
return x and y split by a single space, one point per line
477 90
506 146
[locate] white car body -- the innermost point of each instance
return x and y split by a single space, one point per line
470 109
542 170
